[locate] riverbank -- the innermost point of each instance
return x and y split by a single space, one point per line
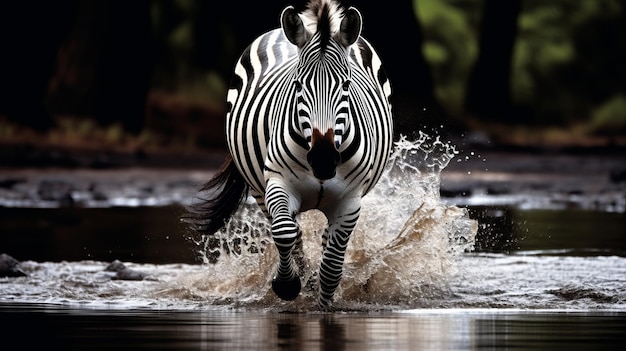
479 175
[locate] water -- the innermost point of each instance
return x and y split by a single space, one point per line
533 280
421 271
404 246
217 329
66 328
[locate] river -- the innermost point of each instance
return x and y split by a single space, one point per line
445 257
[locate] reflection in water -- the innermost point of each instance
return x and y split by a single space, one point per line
572 232
420 330
153 234
333 334
135 234
565 331
66 328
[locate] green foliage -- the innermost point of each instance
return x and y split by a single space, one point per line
610 117
564 61
450 46
6 129
568 61
79 130
174 28
181 38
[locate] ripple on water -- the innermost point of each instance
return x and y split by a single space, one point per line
481 281
409 250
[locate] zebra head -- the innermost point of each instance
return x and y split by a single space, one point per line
323 35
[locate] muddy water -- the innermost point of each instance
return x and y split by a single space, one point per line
421 272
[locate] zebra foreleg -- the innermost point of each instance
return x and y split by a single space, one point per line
285 233
331 267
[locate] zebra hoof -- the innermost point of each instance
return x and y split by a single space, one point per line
287 289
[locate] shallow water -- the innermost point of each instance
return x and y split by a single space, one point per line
421 272
527 280
65 328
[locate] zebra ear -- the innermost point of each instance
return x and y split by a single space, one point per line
350 28
293 27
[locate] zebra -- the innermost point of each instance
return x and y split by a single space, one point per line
309 126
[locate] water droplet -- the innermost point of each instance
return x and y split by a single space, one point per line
393 212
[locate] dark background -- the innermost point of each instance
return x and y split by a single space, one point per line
146 76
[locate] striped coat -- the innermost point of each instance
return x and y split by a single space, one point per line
309 127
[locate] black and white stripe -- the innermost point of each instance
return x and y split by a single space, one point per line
309 126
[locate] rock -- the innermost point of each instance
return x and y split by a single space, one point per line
115 266
56 190
9 267
129 274
124 273
618 176
11 182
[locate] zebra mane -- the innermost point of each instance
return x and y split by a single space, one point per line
323 17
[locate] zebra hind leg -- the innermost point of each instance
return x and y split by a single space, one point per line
311 284
336 242
298 255
308 277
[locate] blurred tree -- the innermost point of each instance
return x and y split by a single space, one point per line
569 59
557 62
222 34
450 48
30 33
104 66
125 68
567 67
396 34
488 95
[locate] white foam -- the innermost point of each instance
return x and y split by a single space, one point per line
404 247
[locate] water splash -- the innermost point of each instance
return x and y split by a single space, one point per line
404 247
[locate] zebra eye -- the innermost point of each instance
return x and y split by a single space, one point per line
298 85
346 85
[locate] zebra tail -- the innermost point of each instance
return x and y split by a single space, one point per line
227 189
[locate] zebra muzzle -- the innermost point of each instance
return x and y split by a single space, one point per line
323 156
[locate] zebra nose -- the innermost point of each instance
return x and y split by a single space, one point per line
323 156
